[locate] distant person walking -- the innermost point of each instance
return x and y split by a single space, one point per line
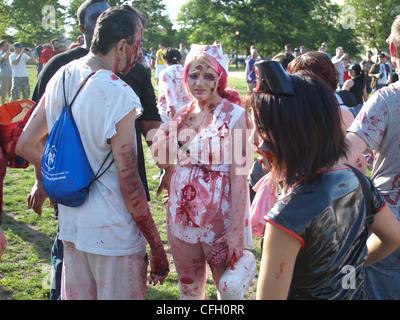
160 65
250 69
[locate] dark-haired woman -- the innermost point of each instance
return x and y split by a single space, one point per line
315 238
321 65
172 91
357 86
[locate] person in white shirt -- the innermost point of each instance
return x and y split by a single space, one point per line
5 70
172 91
104 238
339 64
20 82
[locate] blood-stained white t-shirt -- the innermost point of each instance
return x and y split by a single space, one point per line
378 124
103 224
172 91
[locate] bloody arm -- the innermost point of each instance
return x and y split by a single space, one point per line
124 150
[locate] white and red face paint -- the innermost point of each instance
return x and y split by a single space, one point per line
202 81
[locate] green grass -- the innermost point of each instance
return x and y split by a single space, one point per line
25 267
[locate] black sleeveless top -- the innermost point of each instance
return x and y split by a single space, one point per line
357 89
328 217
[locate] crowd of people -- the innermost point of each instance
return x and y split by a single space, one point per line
328 231
13 73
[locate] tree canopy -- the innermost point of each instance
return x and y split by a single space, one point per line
269 24
374 20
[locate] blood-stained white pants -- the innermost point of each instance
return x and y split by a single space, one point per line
87 276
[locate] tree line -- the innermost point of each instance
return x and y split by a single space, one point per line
268 24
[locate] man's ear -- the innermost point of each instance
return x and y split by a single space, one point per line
120 47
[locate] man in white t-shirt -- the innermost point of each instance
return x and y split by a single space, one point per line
18 61
339 64
104 239
5 70
377 128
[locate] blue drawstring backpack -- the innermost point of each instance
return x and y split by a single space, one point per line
65 169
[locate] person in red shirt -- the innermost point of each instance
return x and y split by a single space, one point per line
47 54
79 42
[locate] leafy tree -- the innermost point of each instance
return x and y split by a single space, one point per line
268 24
72 18
327 25
158 26
373 20
205 21
30 21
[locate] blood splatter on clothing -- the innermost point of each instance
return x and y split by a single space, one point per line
172 91
378 125
200 206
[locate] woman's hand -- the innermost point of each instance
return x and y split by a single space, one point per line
234 240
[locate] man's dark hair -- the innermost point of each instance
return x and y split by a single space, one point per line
114 24
82 9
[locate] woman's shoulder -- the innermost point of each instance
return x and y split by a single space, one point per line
348 84
328 186
231 114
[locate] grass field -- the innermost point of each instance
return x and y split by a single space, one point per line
25 267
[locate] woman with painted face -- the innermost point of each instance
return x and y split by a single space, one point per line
208 201
315 241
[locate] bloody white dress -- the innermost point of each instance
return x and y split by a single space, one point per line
200 206
171 90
